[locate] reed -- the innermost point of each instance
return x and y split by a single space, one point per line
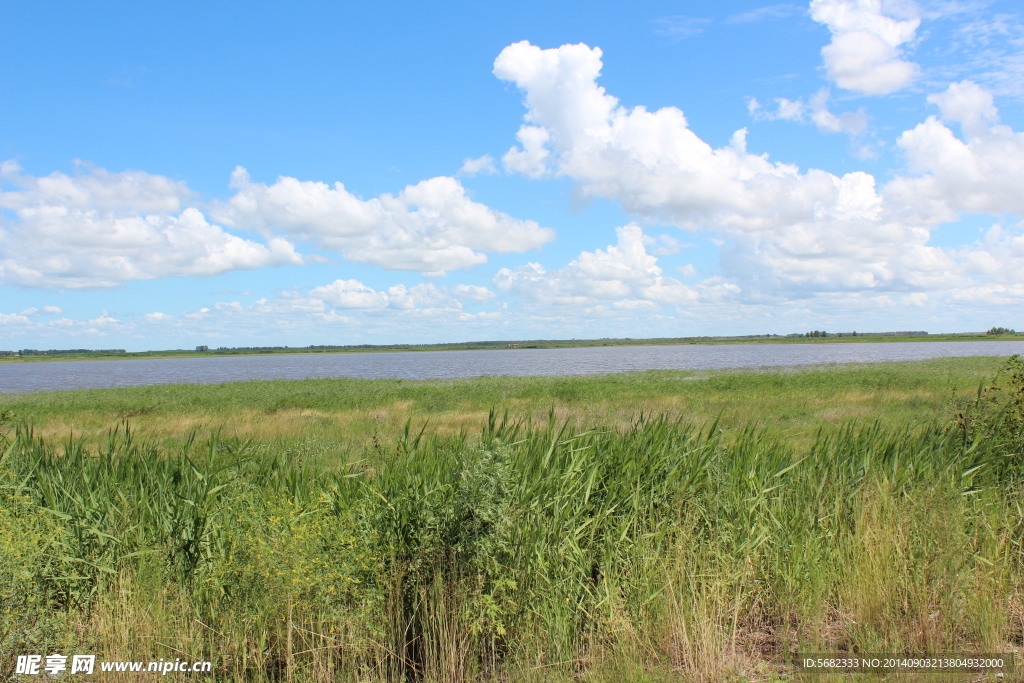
647 549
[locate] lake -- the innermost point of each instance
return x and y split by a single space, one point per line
56 375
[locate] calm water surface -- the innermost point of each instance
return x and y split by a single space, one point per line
48 376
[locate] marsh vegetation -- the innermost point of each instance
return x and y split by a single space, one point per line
656 526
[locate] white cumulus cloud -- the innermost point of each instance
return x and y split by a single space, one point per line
422 296
864 54
13 319
101 229
478 166
968 104
785 232
624 271
652 161
432 226
350 294
472 293
980 172
94 189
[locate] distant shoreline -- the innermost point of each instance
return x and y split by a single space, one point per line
513 345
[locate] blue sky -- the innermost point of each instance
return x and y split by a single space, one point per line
325 173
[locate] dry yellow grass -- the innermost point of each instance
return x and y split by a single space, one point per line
796 417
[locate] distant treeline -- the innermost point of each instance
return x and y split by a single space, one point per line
353 347
823 333
59 352
529 343
502 344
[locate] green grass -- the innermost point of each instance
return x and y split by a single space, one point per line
610 528
791 403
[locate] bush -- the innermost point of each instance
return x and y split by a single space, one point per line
993 422
29 562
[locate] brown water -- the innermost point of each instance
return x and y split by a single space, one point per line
57 375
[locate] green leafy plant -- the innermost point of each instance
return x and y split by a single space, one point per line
993 421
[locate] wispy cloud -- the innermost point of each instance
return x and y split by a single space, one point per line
815 110
769 13
680 26
991 52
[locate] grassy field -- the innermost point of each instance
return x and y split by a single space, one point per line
653 526
319 417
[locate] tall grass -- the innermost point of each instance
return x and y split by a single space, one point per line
651 549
